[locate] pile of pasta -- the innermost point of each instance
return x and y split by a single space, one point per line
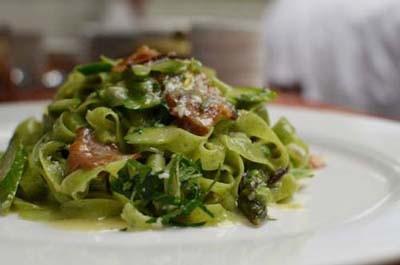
156 141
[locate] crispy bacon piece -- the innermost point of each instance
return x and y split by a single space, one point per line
142 55
87 153
199 108
316 162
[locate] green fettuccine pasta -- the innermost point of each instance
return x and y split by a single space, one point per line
154 141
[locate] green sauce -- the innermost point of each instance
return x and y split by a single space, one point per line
114 223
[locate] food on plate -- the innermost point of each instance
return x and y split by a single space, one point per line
154 140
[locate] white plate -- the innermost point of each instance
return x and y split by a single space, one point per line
350 213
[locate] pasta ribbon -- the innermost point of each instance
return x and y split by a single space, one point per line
168 138
77 183
106 125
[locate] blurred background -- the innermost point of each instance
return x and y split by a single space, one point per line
339 53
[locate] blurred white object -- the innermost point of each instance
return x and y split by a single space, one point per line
341 52
233 48
118 15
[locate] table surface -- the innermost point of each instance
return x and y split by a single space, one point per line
292 99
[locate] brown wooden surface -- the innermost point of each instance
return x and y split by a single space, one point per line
293 99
